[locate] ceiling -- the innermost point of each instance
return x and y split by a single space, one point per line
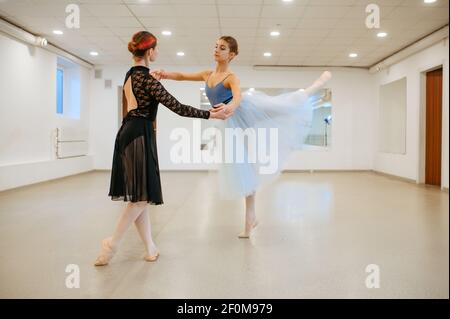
312 32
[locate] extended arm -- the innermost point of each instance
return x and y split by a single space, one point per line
179 76
157 90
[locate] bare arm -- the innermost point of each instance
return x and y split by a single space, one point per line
161 95
235 85
179 76
157 90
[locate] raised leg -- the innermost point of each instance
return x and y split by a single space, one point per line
319 83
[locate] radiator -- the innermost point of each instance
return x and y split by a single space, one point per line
71 142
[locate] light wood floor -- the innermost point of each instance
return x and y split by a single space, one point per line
316 236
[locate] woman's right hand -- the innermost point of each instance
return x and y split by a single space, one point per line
158 74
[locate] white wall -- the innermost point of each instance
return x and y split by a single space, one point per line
408 165
28 116
352 140
104 110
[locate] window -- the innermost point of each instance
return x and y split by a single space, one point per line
59 90
68 89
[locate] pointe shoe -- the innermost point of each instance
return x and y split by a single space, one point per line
326 76
151 258
247 235
106 253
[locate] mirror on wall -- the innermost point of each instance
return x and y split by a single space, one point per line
392 117
321 131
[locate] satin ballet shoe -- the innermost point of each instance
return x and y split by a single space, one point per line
106 253
151 258
326 76
247 235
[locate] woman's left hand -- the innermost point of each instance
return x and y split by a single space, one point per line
219 107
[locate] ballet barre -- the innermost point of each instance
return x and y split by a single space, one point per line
70 142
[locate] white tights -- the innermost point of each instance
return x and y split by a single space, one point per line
137 213
250 216
250 212
318 84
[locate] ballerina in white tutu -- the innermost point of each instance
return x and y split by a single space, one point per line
289 114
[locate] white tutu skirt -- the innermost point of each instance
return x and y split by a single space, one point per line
288 114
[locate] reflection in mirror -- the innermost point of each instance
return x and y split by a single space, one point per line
320 133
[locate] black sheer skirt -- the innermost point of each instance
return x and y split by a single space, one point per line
135 170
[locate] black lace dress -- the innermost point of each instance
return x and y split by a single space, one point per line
135 170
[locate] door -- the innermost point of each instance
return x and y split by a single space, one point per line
433 128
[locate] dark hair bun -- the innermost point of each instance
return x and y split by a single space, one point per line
132 46
141 42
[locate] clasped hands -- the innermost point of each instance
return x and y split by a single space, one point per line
219 111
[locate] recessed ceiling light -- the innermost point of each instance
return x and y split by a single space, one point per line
166 32
58 32
267 54
180 53
93 53
353 55
429 1
287 0
275 33
382 34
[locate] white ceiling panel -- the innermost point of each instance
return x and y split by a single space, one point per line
313 32
239 23
128 22
108 10
152 10
241 11
280 11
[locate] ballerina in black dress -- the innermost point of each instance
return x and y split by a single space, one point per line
135 171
